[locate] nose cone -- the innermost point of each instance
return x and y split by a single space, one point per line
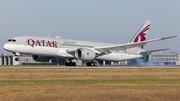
6 46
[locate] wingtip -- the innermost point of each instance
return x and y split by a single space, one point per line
175 36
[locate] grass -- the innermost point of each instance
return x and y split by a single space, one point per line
89 84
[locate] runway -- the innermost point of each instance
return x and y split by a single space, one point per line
83 67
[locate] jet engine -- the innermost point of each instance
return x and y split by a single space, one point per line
41 58
85 54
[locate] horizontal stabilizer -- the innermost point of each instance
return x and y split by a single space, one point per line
154 50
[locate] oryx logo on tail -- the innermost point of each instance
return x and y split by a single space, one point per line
142 33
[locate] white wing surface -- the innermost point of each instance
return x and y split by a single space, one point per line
129 45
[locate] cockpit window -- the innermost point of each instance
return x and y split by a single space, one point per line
11 40
14 40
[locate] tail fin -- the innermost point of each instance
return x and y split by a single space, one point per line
142 33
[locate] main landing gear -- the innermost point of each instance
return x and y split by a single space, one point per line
70 63
92 64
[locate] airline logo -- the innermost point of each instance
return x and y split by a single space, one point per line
87 53
142 35
43 43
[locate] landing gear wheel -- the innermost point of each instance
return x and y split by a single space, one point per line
95 64
17 59
92 64
66 64
70 64
88 64
73 64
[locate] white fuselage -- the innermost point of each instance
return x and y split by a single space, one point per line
57 47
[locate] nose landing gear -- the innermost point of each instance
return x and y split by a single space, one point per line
17 58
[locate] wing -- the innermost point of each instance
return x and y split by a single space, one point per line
128 45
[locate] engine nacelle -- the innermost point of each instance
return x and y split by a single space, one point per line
85 54
41 58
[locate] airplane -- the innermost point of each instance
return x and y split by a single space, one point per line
43 49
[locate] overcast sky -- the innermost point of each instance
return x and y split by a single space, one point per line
111 21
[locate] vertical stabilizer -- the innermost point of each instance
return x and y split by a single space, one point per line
142 33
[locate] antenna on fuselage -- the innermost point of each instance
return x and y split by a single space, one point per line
58 37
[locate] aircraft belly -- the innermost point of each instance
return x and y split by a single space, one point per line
118 57
45 51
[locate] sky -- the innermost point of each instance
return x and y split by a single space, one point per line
110 21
